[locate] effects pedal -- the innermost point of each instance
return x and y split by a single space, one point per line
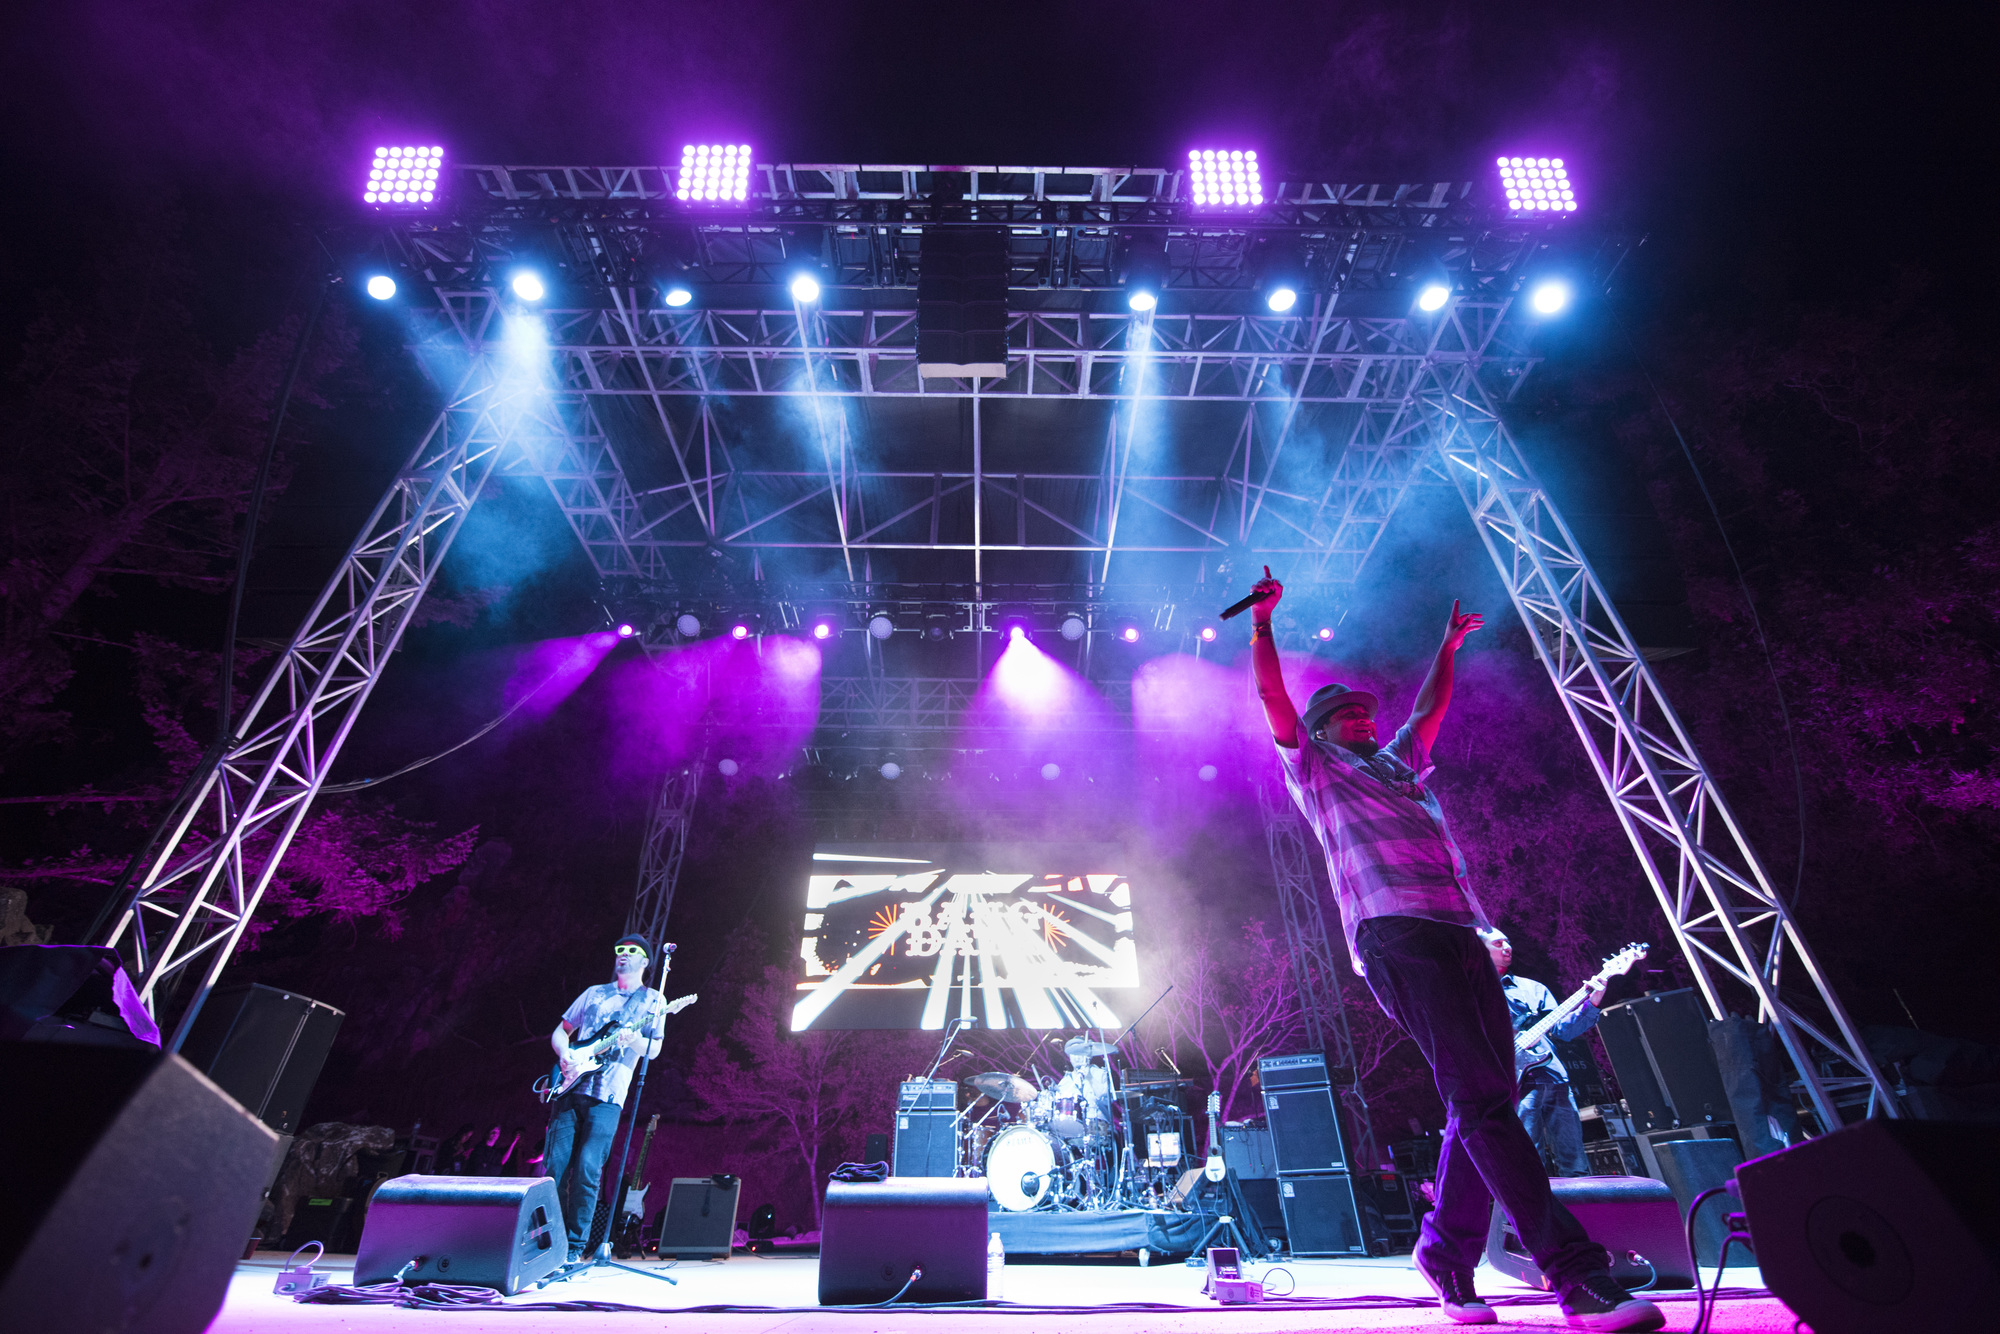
296 1278
1226 1283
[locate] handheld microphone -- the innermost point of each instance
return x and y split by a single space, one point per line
1237 608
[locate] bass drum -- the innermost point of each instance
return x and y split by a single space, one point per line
1020 1168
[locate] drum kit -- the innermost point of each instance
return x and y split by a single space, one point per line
1100 1136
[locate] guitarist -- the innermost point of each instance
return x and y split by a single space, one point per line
1548 1108
584 1121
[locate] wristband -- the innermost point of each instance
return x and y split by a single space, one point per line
1259 630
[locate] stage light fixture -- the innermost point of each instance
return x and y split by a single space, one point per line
403 175
1052 771
1281 299
1432 298
1208 634
891 770
1537 185
1144 265
880 626
822 630
1549 297
528 286
1206 773
1325 632
1072 627
626 629
381 287
678 296
739 631
727 767
1142 301
1130 634
1017 631
688 624
805 289
714 173
1225 178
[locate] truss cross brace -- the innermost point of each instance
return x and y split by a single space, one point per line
660 857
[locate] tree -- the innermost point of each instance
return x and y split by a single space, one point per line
1224 1015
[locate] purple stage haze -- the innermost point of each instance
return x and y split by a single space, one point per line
754 701
552 670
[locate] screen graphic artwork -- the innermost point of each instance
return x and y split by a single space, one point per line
1007 937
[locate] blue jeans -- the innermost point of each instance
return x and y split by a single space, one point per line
1548 1112
595 1124
1437 982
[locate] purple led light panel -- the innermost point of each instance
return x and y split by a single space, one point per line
1537 185
714 173
1225 178
403 176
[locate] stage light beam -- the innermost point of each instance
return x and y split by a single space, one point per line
1433 297
805 289
1142 301
1281 299
381 287
678 296
528 286
1549 298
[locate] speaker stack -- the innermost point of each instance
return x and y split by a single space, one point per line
1315 1191
926 1143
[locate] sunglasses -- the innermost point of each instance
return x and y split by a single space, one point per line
631 950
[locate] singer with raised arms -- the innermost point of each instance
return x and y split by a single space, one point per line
1412 923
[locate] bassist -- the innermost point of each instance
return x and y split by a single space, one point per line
584 1120
1548 1107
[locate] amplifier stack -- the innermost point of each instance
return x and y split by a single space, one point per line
1315 1190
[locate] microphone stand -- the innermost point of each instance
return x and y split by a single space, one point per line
951 1032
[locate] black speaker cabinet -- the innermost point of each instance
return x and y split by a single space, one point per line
1659 1049
265 1047
874 1233
1321 1215
1627 1216
487 1232
700 1218
926 1136
1691 1166
1305 1129
1247 1150
1882 1226
132 1184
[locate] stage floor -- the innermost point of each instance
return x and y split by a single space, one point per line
762 1281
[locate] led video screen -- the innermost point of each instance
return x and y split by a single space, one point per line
1016 936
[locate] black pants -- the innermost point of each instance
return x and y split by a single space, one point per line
1437 982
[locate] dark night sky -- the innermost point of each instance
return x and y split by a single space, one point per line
1767 151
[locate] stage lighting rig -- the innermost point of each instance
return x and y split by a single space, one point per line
527 285
1225 178
714 174
1537 185
1280 271
804 288
1145 269
678 295
1432 297
405 177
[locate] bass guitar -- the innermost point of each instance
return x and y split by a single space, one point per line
1531 1045
585 1057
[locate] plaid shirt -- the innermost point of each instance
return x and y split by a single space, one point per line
1388 851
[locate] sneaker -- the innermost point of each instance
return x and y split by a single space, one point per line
1598 1303
1456 1297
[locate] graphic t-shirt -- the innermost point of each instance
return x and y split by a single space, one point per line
643 1006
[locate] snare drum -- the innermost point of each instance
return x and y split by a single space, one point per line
1020 1167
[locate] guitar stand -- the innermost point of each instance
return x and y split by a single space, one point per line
1199 1256
600 1255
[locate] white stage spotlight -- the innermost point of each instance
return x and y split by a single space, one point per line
1549 297
880 626
1281 299
1206 773
1433 297
1052 771
1142 301
403 175
714 174
528 286
1224 178
805 289
891 770
688 624
382 287
1537 185
1072 627
727 768
678 296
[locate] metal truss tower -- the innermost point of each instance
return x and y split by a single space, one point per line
1304 432
660 855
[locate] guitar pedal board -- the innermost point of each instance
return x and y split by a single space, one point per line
1226 1283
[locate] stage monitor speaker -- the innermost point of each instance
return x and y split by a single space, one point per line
1882 1226
1321 1215
1689 1167
1305 1129
873 1234
700 1220
1628 1216
482 1232
265 1046
132 1184
1659 1049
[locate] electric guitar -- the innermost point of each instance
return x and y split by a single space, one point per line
632 1210
584 1057
1215 1169
1531 1045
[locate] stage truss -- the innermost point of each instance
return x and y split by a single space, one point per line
641 441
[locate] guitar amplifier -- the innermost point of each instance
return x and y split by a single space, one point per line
699 1221
926 1142
1276 1072
1248 1150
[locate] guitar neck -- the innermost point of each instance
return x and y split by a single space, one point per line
1530 1036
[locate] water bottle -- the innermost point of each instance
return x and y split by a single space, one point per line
996 1267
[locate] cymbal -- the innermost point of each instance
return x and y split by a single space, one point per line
1002 1087
1085 1047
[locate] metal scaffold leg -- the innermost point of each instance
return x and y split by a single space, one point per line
666 844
